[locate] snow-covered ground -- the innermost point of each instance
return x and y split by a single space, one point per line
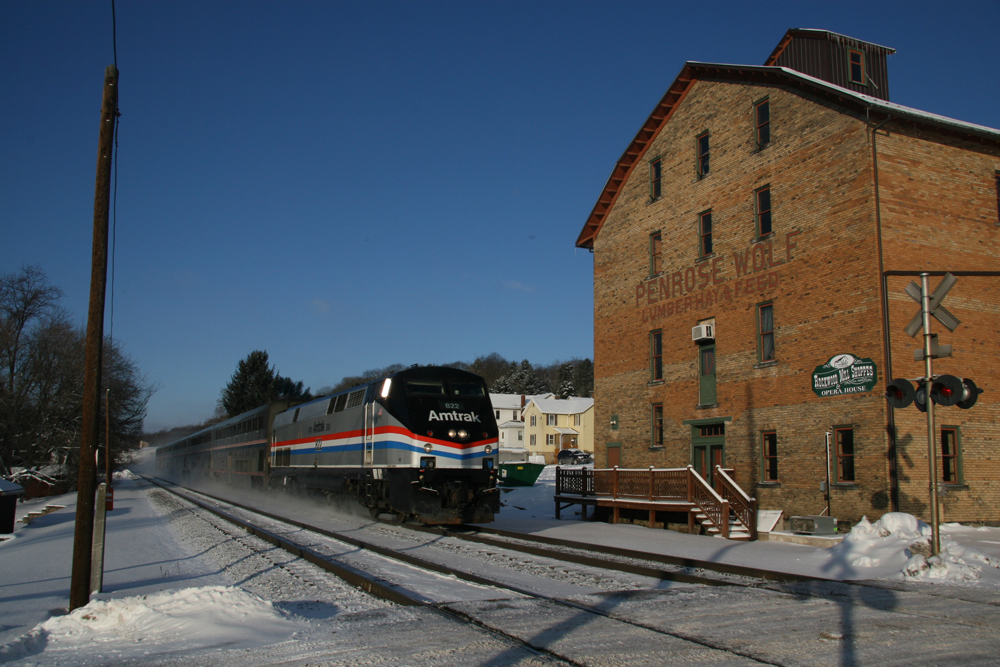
167 599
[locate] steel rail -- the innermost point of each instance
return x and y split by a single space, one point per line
359 580
686 577
352 576
474 535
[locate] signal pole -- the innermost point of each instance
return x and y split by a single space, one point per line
83 536
925 304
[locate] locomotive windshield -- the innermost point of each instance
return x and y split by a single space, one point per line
440 388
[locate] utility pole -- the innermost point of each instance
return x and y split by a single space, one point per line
83 538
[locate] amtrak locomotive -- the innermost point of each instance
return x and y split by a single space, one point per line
420 444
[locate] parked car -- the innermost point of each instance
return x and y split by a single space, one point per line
569 457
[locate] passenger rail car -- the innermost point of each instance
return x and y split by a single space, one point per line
234 451
419 444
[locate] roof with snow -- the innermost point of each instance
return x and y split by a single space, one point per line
563 406
514 401
506 401
692 72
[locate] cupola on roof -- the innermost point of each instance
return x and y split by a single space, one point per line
841 60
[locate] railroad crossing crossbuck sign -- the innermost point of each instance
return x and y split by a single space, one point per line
936 309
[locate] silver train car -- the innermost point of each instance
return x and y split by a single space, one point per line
420 444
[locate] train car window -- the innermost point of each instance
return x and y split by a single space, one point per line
355 398
314 409
341 403
466 389
425 387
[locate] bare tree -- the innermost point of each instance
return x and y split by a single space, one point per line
41 379
25 297
491 367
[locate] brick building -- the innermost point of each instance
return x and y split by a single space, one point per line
755 237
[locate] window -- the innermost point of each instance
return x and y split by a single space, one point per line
762 210
533 439
707 394
550 420
657 440
950 472
577 420
769 456
702 143
857 66
705 233
762 123
765 323
656 354
655 253
520 435
551 439
498 414
655 178
845 454
533 420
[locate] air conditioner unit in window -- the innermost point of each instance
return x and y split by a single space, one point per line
703 332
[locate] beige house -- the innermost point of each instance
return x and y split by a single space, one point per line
551 424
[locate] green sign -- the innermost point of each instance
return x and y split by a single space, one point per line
845 374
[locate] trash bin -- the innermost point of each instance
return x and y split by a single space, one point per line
9 493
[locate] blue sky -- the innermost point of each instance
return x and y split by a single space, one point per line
351 185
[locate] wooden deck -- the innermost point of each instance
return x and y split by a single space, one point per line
727 511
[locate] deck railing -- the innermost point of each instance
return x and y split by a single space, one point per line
665 484
742 505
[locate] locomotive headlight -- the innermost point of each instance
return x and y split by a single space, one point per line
385 387
488 449
451 433
428 447
463 434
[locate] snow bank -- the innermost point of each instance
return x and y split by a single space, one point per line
902 543
163 623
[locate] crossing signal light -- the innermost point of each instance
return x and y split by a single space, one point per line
950 390
946 390
900 393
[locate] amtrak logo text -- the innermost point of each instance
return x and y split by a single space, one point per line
453 417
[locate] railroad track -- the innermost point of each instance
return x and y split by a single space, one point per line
841 613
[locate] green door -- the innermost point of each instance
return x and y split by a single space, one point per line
706 366
708 449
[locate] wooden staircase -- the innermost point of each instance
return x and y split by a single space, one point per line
724 511
737 531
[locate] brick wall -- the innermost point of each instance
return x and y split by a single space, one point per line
819 268
939 213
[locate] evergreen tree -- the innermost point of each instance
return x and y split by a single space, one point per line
253 384
501 386
526 381
583 378
565 386
289 388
